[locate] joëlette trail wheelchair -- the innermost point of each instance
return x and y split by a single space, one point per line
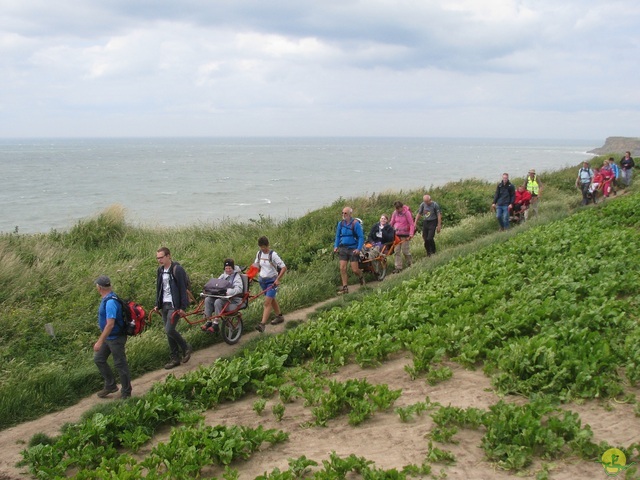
229 319
373 258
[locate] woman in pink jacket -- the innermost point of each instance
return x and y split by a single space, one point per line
402 222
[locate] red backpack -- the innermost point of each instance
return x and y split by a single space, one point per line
133 315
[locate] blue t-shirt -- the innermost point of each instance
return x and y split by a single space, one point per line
110 308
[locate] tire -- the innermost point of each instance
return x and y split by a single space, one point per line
380 268
231 329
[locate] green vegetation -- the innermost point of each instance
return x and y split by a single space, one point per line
549 310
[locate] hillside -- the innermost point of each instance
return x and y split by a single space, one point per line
619 145
517 355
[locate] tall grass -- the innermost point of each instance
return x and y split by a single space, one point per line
48 278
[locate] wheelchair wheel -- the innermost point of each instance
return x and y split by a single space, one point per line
380 268
231 329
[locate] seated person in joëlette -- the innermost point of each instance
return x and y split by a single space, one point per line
381 233
219 305
522 201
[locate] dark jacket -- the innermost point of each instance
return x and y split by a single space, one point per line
388 234
505 194
177 284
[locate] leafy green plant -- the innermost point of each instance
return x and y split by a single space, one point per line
259 405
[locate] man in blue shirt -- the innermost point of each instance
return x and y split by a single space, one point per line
111 341
348 244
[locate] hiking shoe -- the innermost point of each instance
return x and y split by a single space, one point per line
215 327
396 270
260 327
361 280
106 391
173 363
187 354
277 320
125 396
343 290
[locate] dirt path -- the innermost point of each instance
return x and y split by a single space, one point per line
383 439
13 440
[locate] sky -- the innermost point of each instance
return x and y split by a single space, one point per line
415 68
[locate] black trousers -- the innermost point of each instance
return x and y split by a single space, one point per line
429 235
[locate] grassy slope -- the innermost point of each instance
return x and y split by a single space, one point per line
48 279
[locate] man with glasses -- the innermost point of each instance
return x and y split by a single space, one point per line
348 244
171 296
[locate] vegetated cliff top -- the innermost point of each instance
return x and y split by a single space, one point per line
619 145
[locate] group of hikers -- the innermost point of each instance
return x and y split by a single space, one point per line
172 296
605 179
172 300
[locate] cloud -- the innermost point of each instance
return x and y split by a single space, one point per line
301 68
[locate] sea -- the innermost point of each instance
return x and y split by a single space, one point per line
51 184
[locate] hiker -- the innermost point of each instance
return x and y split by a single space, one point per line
583 182
217 305
431 224
402 222
381 233
172 297
503 201
272 268
626 165
616 175
534 186
608 177
112 341
348 244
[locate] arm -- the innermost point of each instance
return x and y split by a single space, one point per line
336 242
237 286
181 282
412 226
360 233
283 268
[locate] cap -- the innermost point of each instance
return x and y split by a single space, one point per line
532 171
229 263
103 281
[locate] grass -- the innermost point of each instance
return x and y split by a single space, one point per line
48 278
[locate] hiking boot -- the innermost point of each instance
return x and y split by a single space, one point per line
187 354
343 290
215 327
277 320
396 270
125 396
361 280
173 363
260 327
106 391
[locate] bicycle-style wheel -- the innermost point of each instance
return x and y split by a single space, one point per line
380 267
231 328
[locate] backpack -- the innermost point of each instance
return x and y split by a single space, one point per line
217 286
354 234
258 256
134 317
190 296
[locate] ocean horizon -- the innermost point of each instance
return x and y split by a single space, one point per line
52 183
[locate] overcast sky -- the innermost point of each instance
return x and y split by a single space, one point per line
432 68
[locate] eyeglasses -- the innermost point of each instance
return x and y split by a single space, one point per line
160 258
345 213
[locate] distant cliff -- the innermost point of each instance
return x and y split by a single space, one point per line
619 145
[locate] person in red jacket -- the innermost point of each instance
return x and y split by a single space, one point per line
522 202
